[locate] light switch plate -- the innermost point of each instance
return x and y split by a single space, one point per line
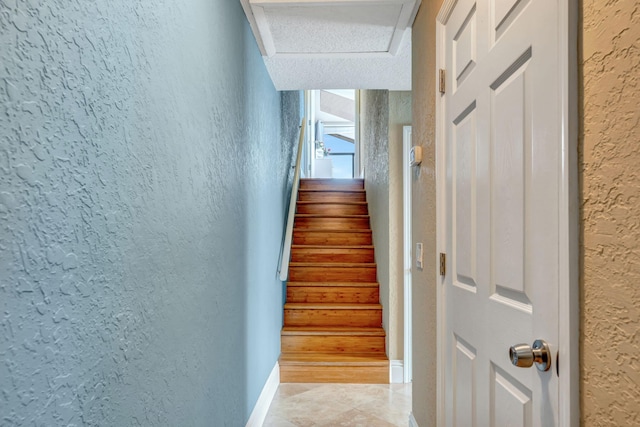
419 255
415 155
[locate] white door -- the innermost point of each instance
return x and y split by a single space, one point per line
502 140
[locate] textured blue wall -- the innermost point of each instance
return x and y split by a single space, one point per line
142 167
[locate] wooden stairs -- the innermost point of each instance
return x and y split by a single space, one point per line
332 318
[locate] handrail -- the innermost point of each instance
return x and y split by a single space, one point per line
288 237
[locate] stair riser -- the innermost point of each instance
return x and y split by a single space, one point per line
331 185
331 196
333 223
331 209
334 374
332 274
333 317
302 237
333 295
332 344
331 255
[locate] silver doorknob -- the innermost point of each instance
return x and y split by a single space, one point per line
523 356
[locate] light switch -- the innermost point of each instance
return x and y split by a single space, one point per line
419 255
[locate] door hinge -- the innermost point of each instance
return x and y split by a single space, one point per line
443 264
443 80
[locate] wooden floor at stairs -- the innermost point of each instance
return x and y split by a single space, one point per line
333 318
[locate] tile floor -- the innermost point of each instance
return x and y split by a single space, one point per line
366 405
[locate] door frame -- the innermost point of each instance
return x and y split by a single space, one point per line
310 114
569 219
357 168
407 255
312 107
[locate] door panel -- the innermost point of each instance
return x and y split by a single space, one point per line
504 14
464 146
464 47
509 147
465 378
510 400
502 147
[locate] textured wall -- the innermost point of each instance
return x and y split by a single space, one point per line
609 160
374 123
399 116
138 248
423 219
383 113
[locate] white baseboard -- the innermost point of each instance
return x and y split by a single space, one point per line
396 371
266 396
412 421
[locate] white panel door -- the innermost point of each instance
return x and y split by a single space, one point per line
502 166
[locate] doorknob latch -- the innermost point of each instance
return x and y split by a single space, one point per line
524 356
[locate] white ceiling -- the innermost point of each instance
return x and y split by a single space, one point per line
334 44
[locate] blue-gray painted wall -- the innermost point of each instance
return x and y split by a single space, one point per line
143 168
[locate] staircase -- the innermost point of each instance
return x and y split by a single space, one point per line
332 318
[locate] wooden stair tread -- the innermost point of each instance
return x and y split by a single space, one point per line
330 306
325 216
342 230
332 190
341 207
333 264
332 247
332 181
321 202
334 284
333 330
330 222
328 359
345 180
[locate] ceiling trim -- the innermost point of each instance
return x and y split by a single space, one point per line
403 22
253 24
333 55
288 3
